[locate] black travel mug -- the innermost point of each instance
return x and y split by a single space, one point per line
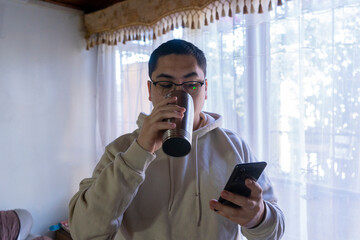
177 141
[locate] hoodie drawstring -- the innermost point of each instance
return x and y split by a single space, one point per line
171 172
197 184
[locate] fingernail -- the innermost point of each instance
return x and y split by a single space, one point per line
224 194
250 181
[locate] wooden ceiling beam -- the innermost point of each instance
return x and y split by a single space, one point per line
87 6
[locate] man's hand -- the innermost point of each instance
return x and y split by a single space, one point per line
251 211
150 136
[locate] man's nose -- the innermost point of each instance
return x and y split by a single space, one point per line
177 87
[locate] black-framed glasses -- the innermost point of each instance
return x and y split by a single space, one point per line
191 87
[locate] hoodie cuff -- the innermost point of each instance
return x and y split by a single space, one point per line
137 158
264 227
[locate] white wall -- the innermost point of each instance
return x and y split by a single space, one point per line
47 109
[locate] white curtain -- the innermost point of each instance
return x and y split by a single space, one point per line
289 84
314 124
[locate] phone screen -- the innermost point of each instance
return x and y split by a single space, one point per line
236 182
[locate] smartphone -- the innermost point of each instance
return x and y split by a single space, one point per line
236 182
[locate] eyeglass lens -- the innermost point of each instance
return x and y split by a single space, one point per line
190 87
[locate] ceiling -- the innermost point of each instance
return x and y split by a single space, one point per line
87 6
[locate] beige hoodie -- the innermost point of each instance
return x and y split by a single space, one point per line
134 194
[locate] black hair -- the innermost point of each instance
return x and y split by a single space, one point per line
177 46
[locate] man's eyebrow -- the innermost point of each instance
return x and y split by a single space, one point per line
192 74
164 76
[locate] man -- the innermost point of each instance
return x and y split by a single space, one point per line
138 192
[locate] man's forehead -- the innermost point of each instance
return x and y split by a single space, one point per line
177 62
174 58
172 76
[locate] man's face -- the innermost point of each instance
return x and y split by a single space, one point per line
179 68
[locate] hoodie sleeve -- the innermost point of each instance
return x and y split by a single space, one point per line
96 210
273 225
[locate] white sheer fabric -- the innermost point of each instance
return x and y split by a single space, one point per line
289 84
314 133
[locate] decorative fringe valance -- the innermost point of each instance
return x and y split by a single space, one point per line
146 20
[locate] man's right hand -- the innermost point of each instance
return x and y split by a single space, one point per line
151 132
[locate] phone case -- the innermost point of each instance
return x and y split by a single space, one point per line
236 182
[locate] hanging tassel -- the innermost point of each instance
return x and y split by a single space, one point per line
211 18
237 11
206 21
124 37
192 24
187 24
143 35
164 31
217 15
223 11
172 26
245 10
270 6
198 25
182 23
230 12
252 9
260 7
279 3
87 45
127 36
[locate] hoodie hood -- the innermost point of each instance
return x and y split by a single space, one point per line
209 121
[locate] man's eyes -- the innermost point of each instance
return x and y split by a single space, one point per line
191 84
166 85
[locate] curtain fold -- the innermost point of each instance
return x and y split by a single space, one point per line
147 20
106 98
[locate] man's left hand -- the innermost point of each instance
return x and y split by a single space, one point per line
251 211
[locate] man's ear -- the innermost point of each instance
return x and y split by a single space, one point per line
149 89
206 84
